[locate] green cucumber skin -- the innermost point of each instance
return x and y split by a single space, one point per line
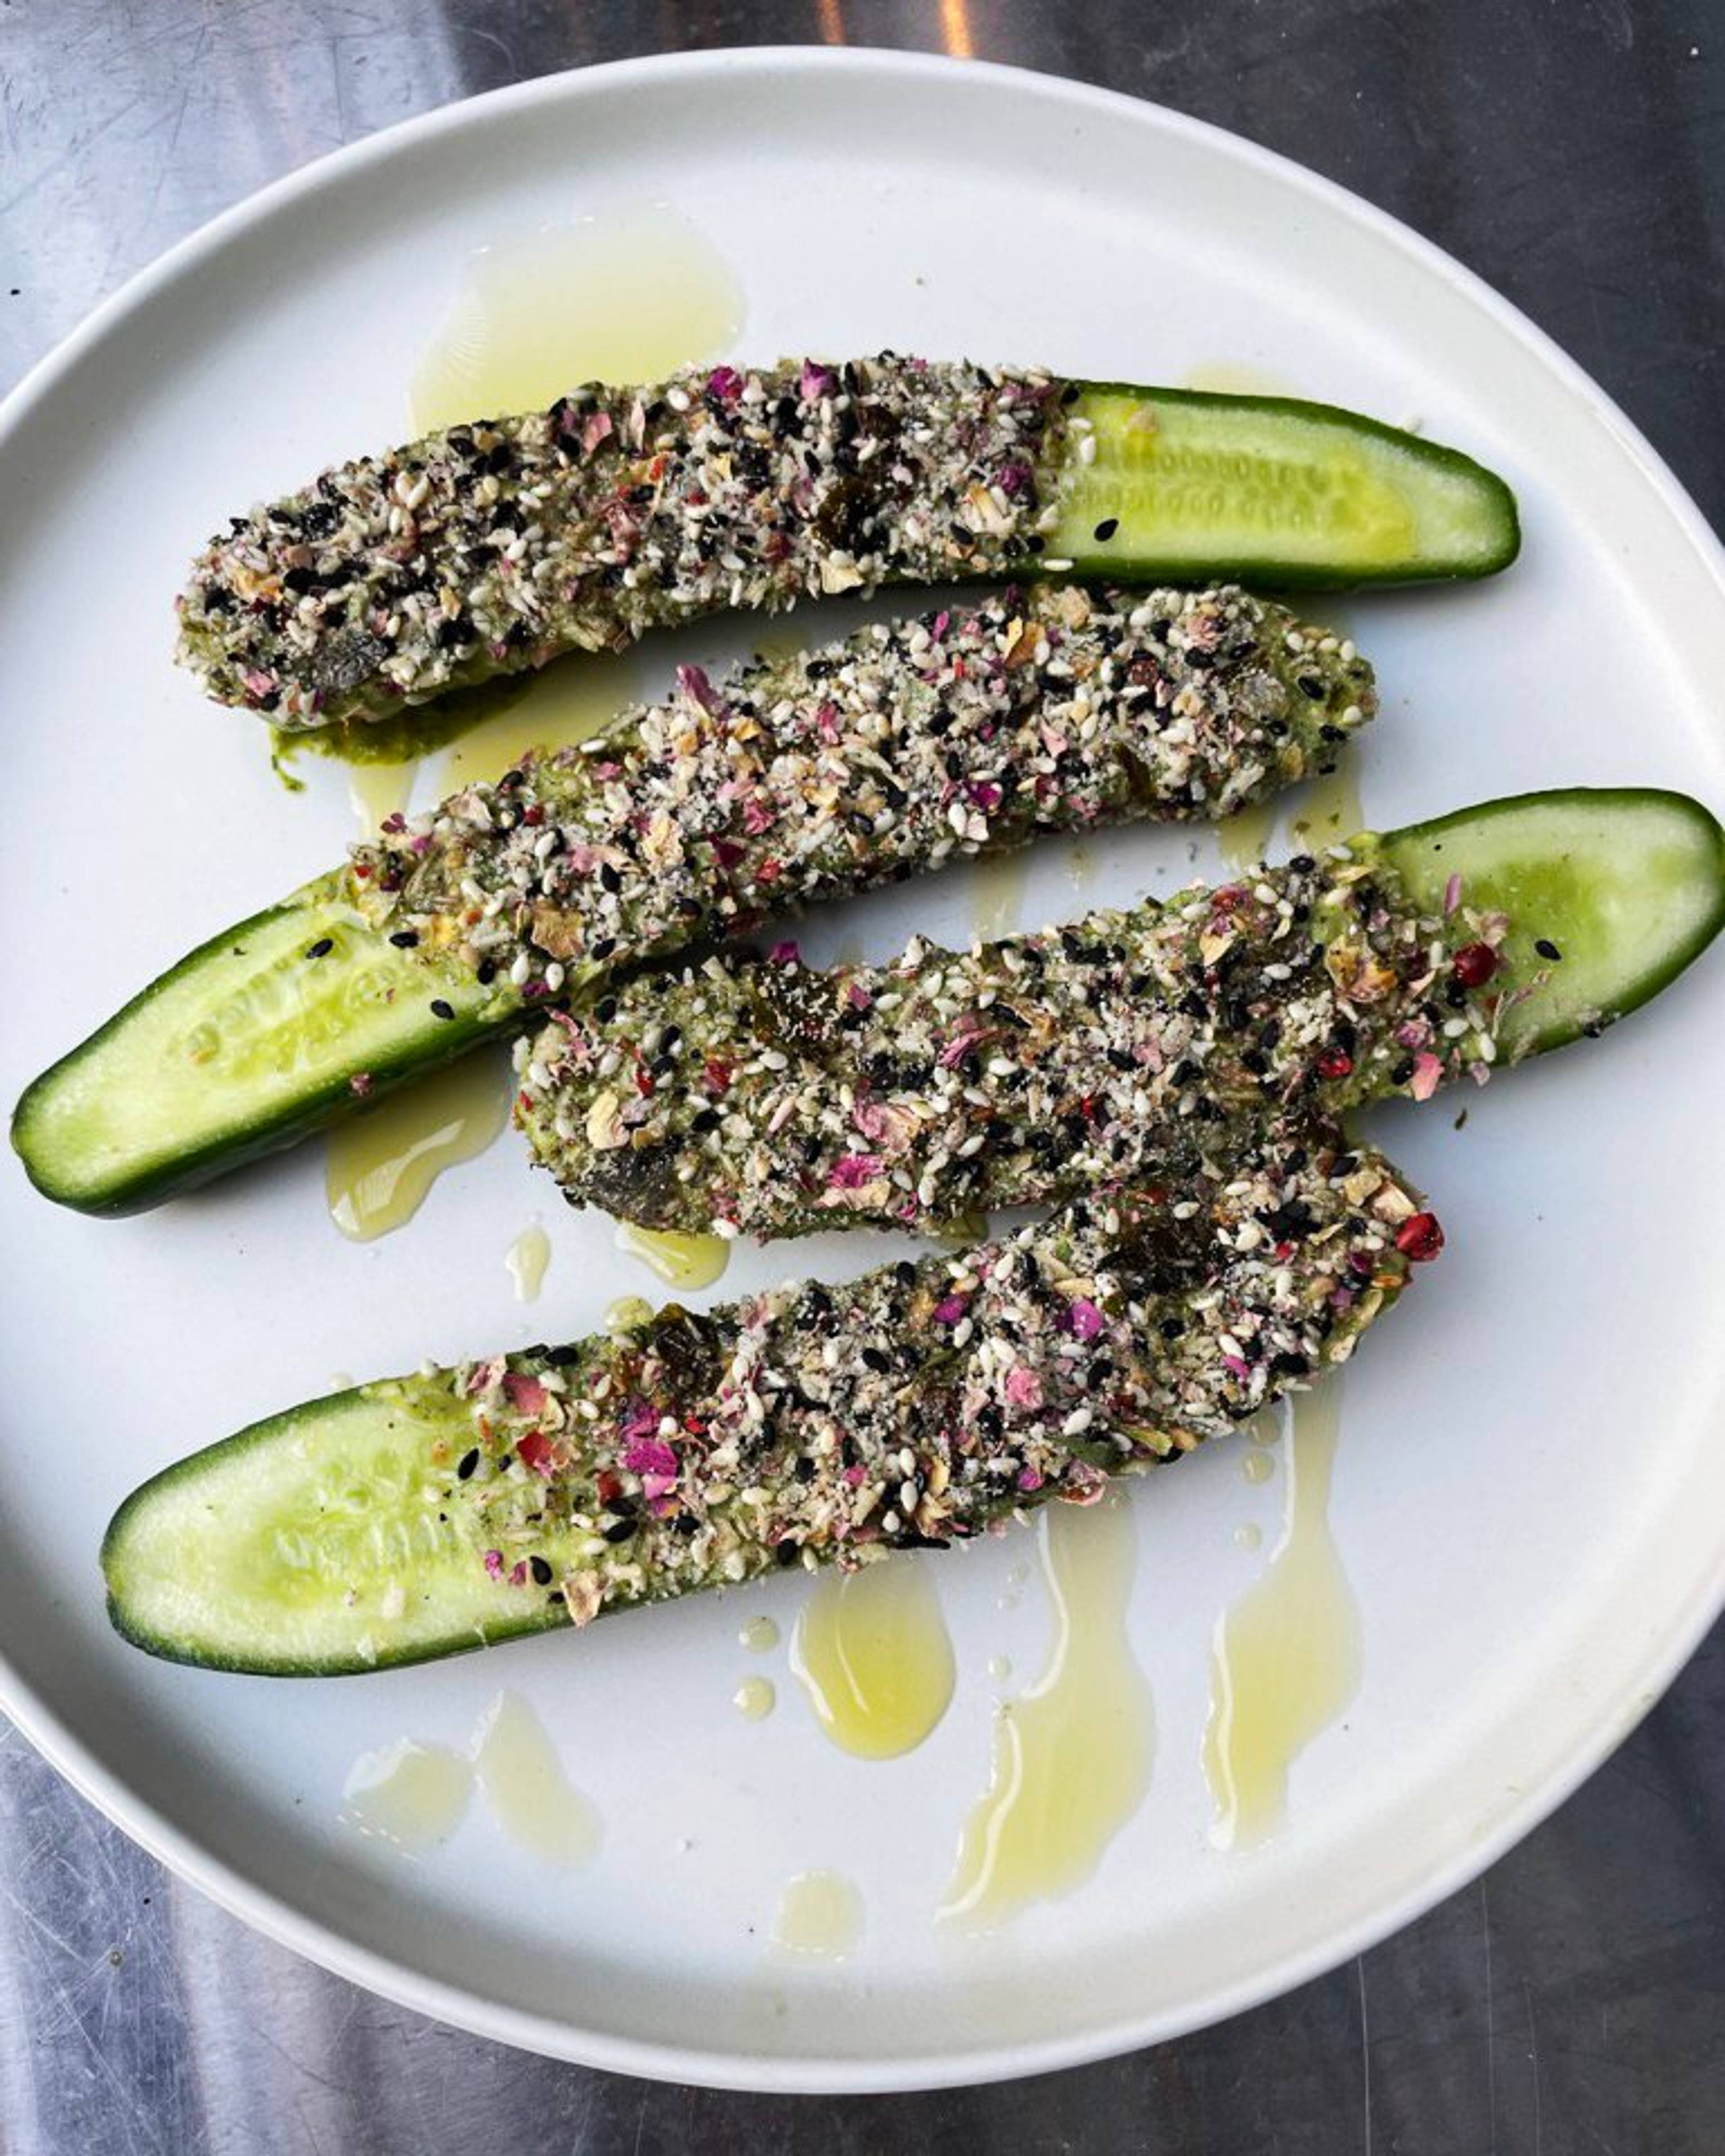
323 1102
516 1624
1439 845
1497 503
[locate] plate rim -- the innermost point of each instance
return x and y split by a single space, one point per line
180 1851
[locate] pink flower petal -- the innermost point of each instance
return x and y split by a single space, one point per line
1024 1389
534 1451
650 1456
853 1170
524 1392
1428 1076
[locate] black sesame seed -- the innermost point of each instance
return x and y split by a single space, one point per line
486 972
1547 949
619 1531
322 947
404 939
469 1461
541 1572
439 1008
1107 528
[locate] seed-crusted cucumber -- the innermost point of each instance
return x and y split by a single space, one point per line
962 732
490 548
781 783
914 1407
763 1096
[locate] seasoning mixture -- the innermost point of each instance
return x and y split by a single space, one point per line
763 1096
925 1402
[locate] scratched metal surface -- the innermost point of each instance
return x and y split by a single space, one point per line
1573 151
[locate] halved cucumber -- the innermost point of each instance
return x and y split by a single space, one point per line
263 1033
1625 885
1185 484
314 1543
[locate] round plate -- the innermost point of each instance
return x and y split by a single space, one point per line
1530 1495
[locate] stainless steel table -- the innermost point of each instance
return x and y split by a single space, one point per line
1572 151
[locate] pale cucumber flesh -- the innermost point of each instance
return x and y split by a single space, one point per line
1627 884
1269 490
278 1025
315 1543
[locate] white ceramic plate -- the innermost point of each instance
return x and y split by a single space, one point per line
1531 1490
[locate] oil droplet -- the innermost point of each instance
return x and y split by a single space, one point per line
627 1313
1072 1755
382 1163
683 1261
1257 1466
872 1649
531 1798
1081 864
1330 806
999 898
621 297
820 1915
999 1668
526 1258
1244 837
564 703
760 1635
1233 378
410 1795
1249 1535
1286 1656
754 1699
378 790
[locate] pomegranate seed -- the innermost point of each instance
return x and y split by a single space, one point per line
1475 965
1334 1063
1420 1238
